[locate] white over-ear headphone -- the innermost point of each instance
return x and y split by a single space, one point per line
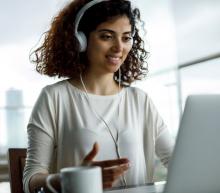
79 34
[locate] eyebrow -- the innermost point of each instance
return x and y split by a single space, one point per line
111 31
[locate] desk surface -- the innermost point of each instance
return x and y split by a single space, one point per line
155 188
158 187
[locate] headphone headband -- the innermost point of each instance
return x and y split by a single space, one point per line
80 35
83 10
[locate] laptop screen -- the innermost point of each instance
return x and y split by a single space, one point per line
195 164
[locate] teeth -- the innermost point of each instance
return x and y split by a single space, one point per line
113 58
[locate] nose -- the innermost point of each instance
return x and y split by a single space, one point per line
117 45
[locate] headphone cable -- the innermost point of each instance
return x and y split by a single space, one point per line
115 140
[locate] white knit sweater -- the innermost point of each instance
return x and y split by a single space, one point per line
63 128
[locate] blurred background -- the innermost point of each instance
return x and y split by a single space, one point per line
182 37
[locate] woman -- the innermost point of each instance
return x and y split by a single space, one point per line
94 116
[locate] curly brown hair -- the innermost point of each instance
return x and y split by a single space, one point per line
59 54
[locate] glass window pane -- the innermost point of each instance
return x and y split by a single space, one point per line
19 83
202 78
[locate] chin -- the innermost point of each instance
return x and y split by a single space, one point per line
114 69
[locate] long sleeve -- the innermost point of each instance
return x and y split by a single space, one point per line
164 146
63 128
157 138
41 139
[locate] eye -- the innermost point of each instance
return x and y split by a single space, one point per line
127 38
106 37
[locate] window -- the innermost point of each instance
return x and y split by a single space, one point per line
19 83
202 78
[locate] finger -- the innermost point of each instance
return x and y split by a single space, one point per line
111 163
107 185
91 155
111 175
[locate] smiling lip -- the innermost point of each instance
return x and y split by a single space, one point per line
114 59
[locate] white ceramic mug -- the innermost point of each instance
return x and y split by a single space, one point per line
82 179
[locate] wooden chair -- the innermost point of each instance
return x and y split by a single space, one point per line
16 159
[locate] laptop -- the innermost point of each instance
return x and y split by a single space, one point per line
195 164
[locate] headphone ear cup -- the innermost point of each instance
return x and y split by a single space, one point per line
82 41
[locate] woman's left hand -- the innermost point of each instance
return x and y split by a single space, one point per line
111 169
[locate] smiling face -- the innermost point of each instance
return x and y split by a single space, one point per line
109 45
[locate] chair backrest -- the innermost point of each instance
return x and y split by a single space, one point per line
16 159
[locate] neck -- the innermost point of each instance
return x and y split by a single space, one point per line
100 84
